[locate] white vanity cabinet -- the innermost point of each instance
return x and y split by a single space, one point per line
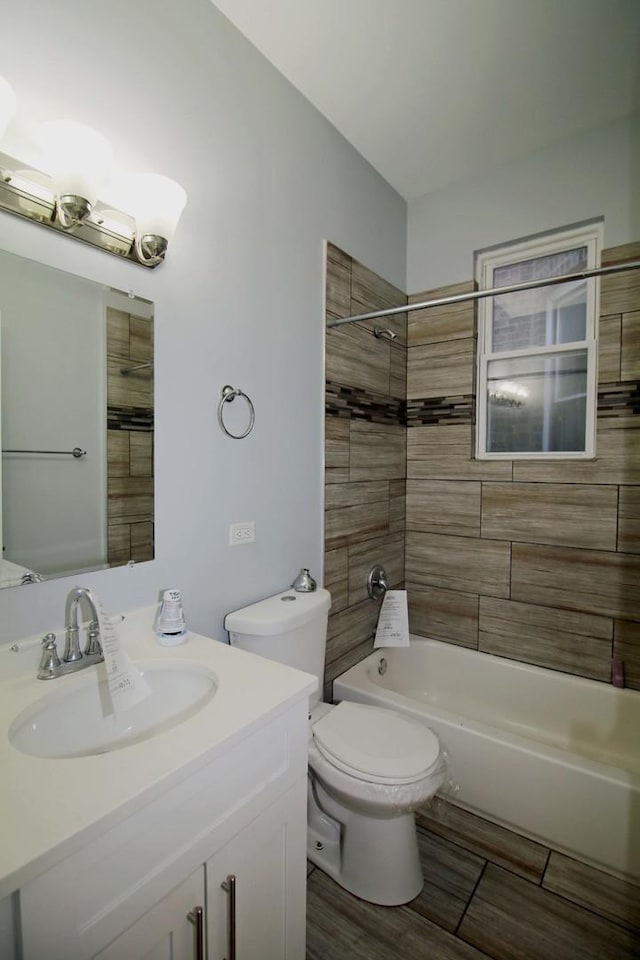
165 932
253 874
125 893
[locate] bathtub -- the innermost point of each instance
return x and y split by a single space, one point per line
549 755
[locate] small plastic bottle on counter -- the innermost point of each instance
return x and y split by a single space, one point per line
171 629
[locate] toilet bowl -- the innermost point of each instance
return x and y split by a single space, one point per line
369 767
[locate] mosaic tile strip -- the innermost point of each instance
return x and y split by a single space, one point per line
129 418
619 399
435 410
353 403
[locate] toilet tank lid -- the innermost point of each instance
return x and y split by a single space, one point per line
278 614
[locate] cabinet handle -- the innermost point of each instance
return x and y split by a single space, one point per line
196 917
229 886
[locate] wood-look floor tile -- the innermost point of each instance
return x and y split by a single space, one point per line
341 927
488 840
608 896
443 614
450 876
512 919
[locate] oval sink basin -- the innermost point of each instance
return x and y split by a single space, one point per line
78 722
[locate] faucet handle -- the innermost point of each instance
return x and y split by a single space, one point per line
49 661
93 646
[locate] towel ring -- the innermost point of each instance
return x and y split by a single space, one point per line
229 394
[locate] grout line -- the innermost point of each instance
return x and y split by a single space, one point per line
542 876
470 898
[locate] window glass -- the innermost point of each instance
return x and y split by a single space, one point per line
537 404
541 317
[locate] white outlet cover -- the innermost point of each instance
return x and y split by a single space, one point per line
241 533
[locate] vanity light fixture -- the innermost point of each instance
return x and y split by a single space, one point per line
64 196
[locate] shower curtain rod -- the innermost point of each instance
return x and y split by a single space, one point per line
494 291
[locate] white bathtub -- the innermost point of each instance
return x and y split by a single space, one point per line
552 756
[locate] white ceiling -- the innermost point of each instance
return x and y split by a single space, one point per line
434 91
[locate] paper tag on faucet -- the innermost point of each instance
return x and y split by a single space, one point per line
127 686
393 622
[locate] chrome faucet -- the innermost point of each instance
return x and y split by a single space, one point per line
74 658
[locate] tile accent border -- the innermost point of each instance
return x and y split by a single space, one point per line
619 399
129 418
441 410
353 403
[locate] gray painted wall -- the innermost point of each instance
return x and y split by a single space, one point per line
177 89
590 176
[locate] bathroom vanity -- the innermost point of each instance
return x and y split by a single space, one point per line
186 844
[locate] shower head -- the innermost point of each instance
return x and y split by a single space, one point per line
383 333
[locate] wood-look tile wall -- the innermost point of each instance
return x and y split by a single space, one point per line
365 455
534 560
129 438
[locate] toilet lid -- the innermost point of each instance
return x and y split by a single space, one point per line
376 744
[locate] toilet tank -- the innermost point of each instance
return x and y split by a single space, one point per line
290 628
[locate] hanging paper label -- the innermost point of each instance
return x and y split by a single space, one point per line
393 622
127 686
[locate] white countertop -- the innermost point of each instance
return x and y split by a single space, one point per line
50 807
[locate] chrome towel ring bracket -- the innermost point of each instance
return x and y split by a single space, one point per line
228 395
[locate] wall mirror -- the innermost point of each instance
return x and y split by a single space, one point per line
76 425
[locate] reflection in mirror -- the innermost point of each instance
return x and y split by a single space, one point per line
76 397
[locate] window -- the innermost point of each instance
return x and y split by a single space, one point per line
537 349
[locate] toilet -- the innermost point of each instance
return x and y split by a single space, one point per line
369 767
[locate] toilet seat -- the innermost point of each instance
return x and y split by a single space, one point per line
375 744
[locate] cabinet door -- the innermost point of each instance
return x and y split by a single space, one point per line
268 861
164 932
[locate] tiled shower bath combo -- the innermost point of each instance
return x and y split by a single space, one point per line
537 561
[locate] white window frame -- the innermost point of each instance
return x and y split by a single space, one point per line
589 236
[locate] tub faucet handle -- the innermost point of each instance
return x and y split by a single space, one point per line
377 583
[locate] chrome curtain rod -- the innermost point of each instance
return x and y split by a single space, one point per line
494 291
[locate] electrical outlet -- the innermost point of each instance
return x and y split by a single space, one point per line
240 533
